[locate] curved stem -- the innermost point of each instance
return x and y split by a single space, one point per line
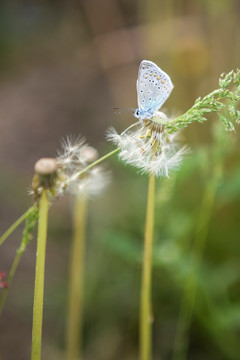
39 277
98 161
26 237
11 274
9 231
145 305
75 310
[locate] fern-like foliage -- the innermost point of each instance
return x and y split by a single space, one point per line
222 101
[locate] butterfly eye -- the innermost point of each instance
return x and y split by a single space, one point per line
136 113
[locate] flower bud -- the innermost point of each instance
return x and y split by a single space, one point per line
45 173
89 154
45 166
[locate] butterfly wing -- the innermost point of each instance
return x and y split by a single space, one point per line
153 87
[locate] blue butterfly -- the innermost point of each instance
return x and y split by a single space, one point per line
153 88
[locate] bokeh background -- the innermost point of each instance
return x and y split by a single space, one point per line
64 66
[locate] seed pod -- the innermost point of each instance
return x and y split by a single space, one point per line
45 175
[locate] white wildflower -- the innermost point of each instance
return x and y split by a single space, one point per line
148 147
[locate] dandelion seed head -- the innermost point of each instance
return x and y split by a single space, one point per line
70 173
69 157
74 157
91 183
159 117
148 147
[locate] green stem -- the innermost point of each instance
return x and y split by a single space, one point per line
26 237
145 305
75 310
12 271
98 161
9 231
190 290
39 277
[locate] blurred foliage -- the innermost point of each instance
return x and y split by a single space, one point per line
217 309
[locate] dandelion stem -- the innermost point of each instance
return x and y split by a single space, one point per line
145 305
98 161
9 231
39 277
190 289
75 310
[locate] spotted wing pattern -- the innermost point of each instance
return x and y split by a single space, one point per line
153 87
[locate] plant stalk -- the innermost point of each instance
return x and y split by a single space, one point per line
39 277
145 301
75 309
9 231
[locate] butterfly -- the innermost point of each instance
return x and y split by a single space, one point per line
153 88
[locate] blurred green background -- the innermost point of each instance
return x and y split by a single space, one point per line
64 66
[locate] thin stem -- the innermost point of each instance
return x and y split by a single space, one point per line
39 277
98 161
75 310
9 231
26 237
10 277
191 285
12 271
145 305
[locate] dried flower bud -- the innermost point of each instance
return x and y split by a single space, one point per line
46 166
3 283
2 276
89 154
45 175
